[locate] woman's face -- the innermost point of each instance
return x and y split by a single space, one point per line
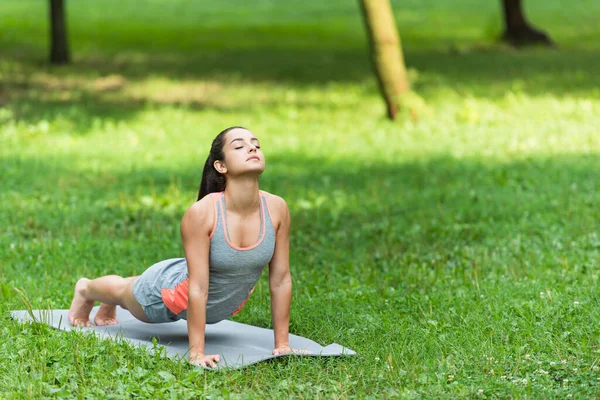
242 154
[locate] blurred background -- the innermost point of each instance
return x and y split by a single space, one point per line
464 229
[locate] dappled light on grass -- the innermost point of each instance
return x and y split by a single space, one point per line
456 249
423 244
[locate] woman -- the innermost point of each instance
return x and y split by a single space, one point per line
229 235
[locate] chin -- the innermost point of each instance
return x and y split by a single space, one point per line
255 169
256 166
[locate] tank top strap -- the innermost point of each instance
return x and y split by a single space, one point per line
217 209
265 205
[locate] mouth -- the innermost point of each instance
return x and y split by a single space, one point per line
253 158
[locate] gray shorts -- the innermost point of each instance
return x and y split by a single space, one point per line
147 288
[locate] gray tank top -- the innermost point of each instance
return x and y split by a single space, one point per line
233 271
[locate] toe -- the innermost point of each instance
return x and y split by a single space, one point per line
81 323
106 321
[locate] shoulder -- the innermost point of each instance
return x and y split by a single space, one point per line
200 216
279 211
277 205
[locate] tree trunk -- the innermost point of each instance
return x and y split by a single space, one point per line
518 31
386 52
59 46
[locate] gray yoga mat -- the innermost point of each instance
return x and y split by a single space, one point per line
238 344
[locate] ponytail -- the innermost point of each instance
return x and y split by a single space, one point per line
213 181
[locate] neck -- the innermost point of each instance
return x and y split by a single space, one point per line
241 195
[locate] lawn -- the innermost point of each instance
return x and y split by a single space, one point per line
456 249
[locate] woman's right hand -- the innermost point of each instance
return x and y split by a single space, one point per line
205 360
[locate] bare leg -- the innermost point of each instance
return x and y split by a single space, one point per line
79 312
111 290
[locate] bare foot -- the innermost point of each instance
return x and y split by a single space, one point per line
106 315
79 312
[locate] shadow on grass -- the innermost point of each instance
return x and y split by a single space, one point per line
475 70
490 73
408 226
442 202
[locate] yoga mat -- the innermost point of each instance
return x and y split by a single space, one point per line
238 344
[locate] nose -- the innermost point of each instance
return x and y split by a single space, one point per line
252 147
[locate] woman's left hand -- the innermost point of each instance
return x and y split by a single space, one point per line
287 350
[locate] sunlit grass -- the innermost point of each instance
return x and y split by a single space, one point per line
456 249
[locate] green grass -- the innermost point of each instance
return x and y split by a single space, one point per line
456 250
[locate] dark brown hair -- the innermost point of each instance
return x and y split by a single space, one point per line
213 181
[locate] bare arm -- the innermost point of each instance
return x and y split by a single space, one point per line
195 230
280 280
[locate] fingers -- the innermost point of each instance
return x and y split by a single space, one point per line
207 361
281 351
288 350
213 360
204 364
